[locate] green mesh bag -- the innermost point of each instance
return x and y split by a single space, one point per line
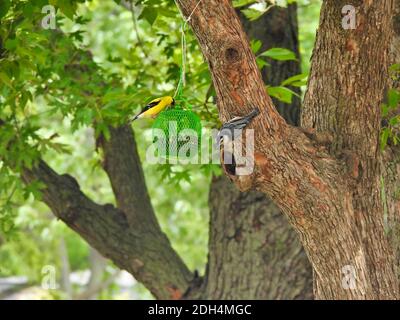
170 132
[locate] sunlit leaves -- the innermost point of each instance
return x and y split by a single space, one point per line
280 54
5 79
34 188
255 45
254 9
9 183
4 7
241 3
283 93
149 14
394 71
298 80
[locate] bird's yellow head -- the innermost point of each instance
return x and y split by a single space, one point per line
154 107
169 101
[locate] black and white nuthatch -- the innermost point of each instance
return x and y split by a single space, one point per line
232 130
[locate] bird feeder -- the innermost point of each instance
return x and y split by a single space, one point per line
177 132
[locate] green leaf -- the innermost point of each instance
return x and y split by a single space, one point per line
102 129
394 67
393 98
5 79
261 63
255 45
149 14
242 3
384 137
67 7
35 189
296 81
85 116
4 7
280 54
252 14
394 121
11 44
281 93
385 109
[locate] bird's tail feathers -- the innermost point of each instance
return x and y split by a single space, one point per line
253 114
133 118
241 122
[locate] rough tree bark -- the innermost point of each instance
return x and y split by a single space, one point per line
253 251
347 104
331 195
391 157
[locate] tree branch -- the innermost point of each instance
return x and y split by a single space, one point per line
286 160
146 255
122 164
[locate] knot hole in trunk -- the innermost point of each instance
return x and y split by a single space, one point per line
232 55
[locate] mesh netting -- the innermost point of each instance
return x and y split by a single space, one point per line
177 132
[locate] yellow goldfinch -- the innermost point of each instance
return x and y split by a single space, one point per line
155 107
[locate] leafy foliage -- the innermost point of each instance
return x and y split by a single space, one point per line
391 130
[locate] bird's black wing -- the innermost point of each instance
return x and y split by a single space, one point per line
150 105
237 123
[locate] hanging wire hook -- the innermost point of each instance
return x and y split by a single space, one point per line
194 9
190 15
182 78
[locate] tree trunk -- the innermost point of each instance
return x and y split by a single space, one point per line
347 104
331 194
391 159
253 251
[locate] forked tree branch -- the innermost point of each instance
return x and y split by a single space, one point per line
287 162
145 253
129 235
